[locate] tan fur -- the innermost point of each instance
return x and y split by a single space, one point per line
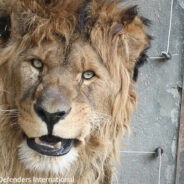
101 107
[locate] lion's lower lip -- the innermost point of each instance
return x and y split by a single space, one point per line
51 145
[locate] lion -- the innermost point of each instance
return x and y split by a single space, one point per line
67 76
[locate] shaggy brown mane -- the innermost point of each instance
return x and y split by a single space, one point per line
113 35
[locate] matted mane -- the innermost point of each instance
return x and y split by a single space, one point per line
116 33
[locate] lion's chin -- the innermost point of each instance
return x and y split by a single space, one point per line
39 163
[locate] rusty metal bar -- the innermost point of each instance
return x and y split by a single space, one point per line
180 153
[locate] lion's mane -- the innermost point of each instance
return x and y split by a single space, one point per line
116 33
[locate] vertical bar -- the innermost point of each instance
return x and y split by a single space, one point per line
180 153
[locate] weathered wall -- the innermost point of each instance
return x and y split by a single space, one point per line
156 122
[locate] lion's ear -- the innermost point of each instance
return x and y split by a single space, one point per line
5 32
116 31
5 27
5 22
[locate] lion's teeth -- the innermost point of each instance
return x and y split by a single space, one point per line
57 145
37 141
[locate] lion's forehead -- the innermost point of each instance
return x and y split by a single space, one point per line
81 56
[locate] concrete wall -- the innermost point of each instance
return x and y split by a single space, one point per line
156 122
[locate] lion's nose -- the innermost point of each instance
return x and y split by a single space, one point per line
51 107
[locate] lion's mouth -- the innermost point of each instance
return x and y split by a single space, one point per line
51 145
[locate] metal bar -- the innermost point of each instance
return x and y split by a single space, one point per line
180 154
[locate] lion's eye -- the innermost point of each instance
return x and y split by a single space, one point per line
88 75
37 64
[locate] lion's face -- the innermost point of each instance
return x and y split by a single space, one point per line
59 103
70 70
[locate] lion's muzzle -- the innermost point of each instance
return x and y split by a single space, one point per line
51 107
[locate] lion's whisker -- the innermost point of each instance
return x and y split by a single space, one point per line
10 115
13 124
101 114
1 90
10 110
5 105
100 119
